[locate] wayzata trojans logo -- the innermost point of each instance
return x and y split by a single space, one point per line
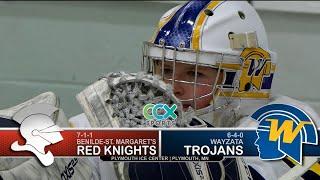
39 131
282 130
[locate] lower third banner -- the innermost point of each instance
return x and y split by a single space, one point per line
126 144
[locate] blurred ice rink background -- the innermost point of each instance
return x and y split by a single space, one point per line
64 46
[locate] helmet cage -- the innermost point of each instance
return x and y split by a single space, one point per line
154 53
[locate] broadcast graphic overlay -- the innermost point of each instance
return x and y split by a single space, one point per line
160 119
283 130
38 130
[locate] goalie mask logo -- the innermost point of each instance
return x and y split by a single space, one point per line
282 130
39 131
257 71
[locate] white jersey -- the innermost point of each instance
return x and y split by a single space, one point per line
272 170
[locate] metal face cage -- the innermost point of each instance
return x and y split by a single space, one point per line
164 61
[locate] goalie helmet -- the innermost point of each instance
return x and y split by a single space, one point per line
216 56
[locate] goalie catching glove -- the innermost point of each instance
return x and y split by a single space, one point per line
117 100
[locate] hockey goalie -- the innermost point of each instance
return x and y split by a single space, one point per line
211 59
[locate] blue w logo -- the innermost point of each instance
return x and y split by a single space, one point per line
282 130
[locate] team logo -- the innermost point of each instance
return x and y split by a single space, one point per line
282 130
257 70
254 74
39 131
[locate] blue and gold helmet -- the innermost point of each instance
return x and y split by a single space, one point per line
227 37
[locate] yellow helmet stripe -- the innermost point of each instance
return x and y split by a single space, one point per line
238 66
165 20
229 66
265 95
198 27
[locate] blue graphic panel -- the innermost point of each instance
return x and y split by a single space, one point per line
173 141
